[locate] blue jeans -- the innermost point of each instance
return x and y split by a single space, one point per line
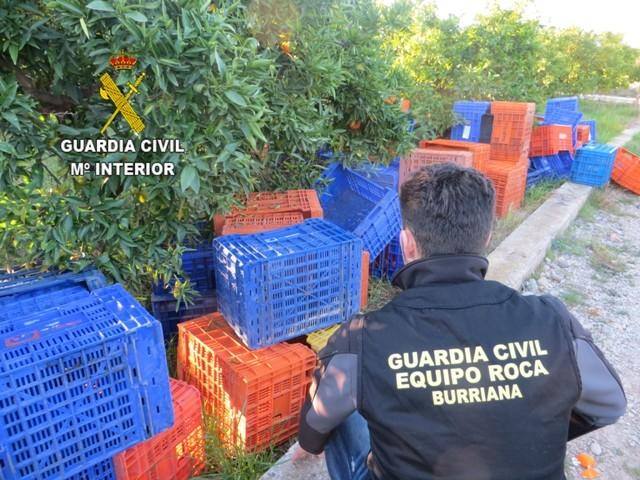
347 449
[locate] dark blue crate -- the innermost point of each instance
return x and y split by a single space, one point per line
593 127
592 164
14 308
539 175
277 285
80 383
470 113
27 280
166 310
384 175
562 103
389 261
359 205
198 267
101 471
557 165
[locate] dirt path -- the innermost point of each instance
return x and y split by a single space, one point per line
595 268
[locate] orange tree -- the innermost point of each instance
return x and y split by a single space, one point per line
250 114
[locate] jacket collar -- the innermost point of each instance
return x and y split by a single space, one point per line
441 269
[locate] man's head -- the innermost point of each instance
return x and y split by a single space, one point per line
446 209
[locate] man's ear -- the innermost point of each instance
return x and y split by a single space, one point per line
409 246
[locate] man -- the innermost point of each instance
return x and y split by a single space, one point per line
457 377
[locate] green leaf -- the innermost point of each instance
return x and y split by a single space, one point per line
7 148
136 17
67 224
12 119
13 51
187 177
100 6
235 97
222 68
83 24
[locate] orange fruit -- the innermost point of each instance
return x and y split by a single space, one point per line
586 460
590 473
355 125
285 47
405 105
391 100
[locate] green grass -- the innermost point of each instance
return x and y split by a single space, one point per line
634 144
572 297
611 118
380 293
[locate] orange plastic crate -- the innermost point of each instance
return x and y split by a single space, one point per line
626 170
260 222
480 151
177 453
254 396
551 139
301 201
509 181
584 134
364 282
511 134
421 157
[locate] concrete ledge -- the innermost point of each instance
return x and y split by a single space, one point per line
313 468
518 256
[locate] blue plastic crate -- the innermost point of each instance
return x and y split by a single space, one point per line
538 175
389 261
562 103
557 165
27 280
277 285
384 175
165 309
80 383
593 127
592 164
471 113
359 205
198 266
101 471
14 308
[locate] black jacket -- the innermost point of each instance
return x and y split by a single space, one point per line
463 378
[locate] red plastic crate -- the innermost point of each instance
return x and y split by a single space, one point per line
177 453
421 157
260 222
364 282
301 201
511 134
480 151
509 181
626 170
584 133
551 139
255 396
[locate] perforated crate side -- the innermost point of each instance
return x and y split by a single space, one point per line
101 471
471 113
563 103
276 285
254 396
87 380
593 164
165 311
318 340
177 453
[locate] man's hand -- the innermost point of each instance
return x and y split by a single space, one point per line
301 455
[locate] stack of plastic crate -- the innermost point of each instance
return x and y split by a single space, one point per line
551 153
254 397
626 170
84 376
480 151
593 164
510 142
177 453
197 264
357 204
263 211
470 115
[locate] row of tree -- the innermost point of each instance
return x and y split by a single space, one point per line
253 90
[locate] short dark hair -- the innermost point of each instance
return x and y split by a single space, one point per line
449 209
